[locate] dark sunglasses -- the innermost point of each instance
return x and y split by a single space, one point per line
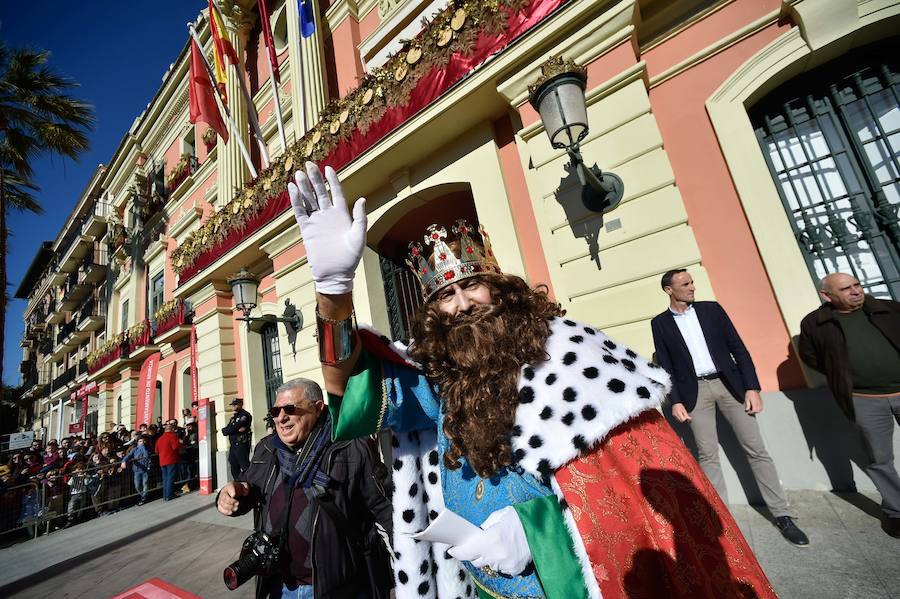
290 410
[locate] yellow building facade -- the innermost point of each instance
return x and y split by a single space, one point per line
675 94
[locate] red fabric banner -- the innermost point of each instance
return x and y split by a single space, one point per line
146 391
652 523
195 384
200 94
428 89
267 37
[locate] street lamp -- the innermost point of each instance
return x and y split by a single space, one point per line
558 95
244 287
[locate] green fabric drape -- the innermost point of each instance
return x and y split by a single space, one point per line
551 548
355 414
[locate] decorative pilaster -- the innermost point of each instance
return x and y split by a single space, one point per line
307 69
216 367
232 171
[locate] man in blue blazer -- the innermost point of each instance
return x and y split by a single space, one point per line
711 368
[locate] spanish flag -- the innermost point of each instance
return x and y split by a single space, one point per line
222 46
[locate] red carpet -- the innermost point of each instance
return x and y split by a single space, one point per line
156 589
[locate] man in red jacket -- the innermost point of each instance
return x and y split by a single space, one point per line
168 446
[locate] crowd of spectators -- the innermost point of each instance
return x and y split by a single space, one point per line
55 485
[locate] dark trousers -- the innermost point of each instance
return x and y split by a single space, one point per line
875 416
168 477
239 458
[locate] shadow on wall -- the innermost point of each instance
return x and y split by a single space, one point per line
584 224
830 436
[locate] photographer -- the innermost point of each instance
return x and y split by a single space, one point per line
328 546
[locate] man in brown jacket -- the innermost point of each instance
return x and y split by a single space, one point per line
854 340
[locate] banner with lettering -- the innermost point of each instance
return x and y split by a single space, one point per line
146 391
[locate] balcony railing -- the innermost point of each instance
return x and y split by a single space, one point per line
91 308
38 318
64 379
186 166
109 352
172 314
120 346
139 335
45 346
78 227
66 330
31 379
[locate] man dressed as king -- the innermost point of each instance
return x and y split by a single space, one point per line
542 432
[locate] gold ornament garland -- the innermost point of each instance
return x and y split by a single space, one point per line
454 30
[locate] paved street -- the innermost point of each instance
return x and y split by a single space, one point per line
187 543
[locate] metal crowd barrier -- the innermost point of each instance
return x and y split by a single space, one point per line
47 502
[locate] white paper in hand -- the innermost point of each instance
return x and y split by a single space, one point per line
449 528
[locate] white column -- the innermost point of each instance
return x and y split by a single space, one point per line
308 90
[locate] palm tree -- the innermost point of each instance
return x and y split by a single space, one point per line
36 116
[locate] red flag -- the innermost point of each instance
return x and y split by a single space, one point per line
202 100
146 391
267 37
224 49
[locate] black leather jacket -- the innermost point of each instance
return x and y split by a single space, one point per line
339 568
822 345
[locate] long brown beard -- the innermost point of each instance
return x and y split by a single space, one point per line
475 358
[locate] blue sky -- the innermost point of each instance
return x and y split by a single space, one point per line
118 53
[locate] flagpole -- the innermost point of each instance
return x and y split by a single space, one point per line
300 87
251 107
274 83
277 106
223 108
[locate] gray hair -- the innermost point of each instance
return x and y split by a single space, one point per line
311 391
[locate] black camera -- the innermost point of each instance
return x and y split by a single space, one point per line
260 554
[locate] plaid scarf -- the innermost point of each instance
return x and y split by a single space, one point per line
300 466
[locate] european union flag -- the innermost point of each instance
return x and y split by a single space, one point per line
307 18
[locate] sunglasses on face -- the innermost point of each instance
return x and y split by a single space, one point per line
290 410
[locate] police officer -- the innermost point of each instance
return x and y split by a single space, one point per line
238 432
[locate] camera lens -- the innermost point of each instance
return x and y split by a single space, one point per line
241 571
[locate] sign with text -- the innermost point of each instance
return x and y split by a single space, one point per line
147 390
204 434
20 440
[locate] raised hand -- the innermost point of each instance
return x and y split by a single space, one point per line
334 241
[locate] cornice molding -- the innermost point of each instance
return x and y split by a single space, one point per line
339 11
188 217
281 242
721 45
601 29
155 248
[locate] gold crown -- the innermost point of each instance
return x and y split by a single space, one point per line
475 259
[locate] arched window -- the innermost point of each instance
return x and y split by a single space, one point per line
402 290
831 138
271 361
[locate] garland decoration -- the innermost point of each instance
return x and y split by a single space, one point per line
453 31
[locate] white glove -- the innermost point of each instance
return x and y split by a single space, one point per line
501 546
334 243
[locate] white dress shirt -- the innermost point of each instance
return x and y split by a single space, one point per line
690 329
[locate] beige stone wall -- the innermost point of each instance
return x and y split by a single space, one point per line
645 236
